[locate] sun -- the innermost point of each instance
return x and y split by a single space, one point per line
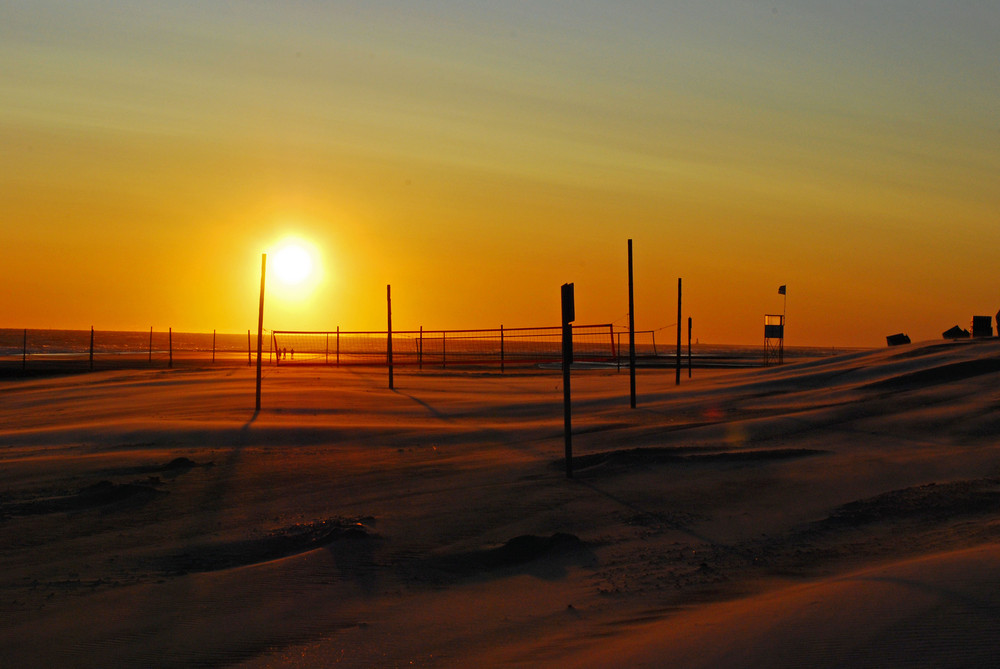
293 264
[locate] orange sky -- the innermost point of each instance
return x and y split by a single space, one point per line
478 155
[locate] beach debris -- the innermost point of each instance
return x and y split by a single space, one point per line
982 326
897 339
955 333
179 463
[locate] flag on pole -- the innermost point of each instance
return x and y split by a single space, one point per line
781 290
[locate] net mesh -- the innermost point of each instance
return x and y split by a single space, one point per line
443 347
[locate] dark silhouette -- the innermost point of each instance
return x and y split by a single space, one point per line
897 339
955 333
982 326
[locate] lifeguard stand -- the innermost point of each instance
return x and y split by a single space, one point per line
774 339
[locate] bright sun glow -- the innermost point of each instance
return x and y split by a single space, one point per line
292 264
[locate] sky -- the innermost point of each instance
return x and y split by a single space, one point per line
478 155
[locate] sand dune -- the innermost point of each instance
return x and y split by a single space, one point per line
841 511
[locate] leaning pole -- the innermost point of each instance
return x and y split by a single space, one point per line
260 323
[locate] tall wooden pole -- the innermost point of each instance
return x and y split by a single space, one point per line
678 332
631 330
388 339
260 324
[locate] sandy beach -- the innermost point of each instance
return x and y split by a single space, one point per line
843 511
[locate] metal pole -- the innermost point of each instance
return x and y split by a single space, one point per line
213 346
501 348
388 339
260 325
420 349
249 358
338 346
568 316
24 351
567 404
689 346
631 330
150 343
91 348
784 311
678 332
170 342
328 348
618 356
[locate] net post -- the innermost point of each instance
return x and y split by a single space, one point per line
388 339
338 346
444 350
91 348
260 324
568 316
618 357
249 359
151 344
501 349
678 375
213 347
631 330
611 331
24 350
170 347
652 333
327 358
690 323
420 349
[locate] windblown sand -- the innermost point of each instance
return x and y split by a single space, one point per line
840 512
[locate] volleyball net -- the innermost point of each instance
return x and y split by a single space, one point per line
443 348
